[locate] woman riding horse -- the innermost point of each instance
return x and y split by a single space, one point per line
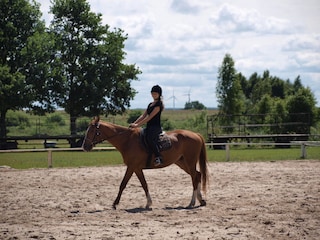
188 151
152 116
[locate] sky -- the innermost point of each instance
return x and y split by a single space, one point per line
180 44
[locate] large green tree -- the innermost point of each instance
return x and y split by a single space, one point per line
22 34
301 108
229 94
92 76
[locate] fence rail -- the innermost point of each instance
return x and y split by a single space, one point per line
303 145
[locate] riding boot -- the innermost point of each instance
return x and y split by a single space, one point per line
152 138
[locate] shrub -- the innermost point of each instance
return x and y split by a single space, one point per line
15 119
55 119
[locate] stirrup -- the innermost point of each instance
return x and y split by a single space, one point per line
157 161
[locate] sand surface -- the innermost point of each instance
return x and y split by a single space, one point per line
262 200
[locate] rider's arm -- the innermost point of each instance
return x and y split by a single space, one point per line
146 117
142 116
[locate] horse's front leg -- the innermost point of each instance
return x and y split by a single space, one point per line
144 184
123 185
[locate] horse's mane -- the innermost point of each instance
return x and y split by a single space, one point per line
113 125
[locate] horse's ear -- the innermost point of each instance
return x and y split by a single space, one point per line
95 120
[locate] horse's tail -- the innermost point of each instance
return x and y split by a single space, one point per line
203 163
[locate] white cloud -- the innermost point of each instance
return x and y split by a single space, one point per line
180 44
231 18
303 42
184 6
138 26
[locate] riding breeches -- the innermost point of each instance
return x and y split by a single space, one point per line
152 139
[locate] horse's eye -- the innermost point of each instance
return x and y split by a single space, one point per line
98 133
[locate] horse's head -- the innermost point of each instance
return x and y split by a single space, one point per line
93 135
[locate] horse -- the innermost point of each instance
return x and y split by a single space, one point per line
187 151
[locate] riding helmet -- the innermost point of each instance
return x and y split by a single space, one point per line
157 89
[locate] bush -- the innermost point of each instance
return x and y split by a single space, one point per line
82 126
133 115
15 119
55 119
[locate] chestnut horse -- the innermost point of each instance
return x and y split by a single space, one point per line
188 149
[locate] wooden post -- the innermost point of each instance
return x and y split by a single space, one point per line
49 158
227 152
303 151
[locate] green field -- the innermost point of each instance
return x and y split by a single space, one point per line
107 158
20 123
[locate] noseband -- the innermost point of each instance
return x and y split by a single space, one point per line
96 134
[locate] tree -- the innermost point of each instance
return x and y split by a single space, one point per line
264 106
194 105
19 87
297 84
279 114
278 88
228 89
302 102
94 78
261 87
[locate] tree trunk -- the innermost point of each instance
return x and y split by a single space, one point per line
73 130
3 128
73 127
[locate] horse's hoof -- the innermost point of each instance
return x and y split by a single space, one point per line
203 203
114 207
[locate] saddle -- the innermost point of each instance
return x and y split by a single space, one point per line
163 143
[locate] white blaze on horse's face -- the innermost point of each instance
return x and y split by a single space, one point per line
88 139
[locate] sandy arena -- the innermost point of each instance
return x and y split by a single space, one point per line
261 200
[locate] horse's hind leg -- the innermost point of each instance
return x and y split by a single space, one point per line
123 185
197 191
144 185
196 177
196 183
199 195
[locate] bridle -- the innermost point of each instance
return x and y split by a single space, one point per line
97 133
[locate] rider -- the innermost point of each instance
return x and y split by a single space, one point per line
152 116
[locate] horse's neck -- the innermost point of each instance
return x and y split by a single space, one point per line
115 134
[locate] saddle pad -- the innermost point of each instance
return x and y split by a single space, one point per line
164 142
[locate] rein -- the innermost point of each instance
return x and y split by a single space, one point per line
98 133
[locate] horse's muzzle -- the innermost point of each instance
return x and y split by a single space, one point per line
87 147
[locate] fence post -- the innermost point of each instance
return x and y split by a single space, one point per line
303 151
49 158
227 152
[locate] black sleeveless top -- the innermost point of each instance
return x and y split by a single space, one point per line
155 121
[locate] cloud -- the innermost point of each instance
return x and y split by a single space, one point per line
184 7
230 18
180 44
136 26
303 42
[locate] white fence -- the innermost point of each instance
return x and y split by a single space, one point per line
303 146
50 150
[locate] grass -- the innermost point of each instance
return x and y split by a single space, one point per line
60 159
108 158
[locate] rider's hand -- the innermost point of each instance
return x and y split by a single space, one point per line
133 125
